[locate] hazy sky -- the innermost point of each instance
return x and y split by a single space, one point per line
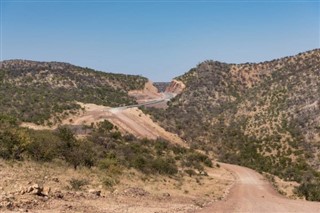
156 39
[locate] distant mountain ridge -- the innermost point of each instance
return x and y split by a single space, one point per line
161 86
35 91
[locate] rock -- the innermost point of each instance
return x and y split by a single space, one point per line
23 191
95 192
29 189
10 197
37 190
34 189
175 87
8 204
46 191
58 195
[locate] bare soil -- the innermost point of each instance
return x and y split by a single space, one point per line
253 193
135 192
134 121
131 120
149 92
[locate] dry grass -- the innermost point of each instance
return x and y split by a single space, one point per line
160 193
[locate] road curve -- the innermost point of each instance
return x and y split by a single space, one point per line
252 193
165 97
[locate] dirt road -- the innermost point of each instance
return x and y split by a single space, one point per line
134 121
252 193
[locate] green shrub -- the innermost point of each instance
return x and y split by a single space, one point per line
76 152
109 182
76 184
105 126
164 166
111 166
311 191
45 146
13 143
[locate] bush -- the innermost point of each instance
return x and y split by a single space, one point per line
13 143
76 152
76 184
164 166
194 159
44 146
109 182
190 172
311 191
81 154
105 126
111 166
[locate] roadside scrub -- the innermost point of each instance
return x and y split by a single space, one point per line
104 148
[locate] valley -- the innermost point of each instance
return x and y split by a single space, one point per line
213 140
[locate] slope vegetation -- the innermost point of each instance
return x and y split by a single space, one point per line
265 115
74 128
45 92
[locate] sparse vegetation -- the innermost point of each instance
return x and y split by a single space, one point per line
77 184
46 92
264 116
100 149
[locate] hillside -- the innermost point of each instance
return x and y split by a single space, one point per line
262 115
56 171
45 92
56 121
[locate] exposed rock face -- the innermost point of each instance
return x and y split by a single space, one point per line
175 87
148 92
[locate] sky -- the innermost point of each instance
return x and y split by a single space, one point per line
156 39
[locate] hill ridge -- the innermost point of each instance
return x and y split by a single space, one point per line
265 117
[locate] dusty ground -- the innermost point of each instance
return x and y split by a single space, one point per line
134 121
134 193
252 193
130 120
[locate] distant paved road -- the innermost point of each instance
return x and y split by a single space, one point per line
251 193
166 97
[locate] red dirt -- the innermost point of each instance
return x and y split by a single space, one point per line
252 193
